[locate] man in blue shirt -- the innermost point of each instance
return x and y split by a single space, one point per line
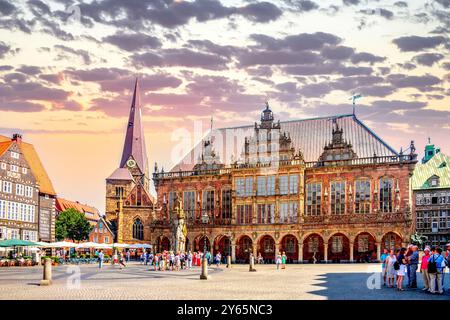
383 264
413 264
100 259
436 278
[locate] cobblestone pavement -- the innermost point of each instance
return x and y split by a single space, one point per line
332 281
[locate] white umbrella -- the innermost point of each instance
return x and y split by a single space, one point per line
120 245
87 245
43 244
140 246
62 244
103 246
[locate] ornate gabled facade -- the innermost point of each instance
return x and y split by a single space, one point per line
129 205
431 193
324 189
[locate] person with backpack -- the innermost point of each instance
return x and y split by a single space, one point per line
413 263
424 269
401 261
390 260
435 268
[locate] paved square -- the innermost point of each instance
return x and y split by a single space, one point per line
332 281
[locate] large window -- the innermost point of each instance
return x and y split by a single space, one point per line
284 184
337 244
226 204
261 186
362 196
138 229
240 187
293 184
265 185
313 198
249 186
244 214
386 195
189 204
337 197
288 184
208 201
313 244
266 213
172 197
288 212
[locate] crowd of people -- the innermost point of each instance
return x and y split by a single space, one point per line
396 264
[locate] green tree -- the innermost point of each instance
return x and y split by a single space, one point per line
72 224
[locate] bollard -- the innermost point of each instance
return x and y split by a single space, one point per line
252 263
204 274
228 261
47 276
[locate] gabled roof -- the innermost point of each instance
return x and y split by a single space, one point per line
91 213
308 135
4 146
120 174
37 168
434 167
134 145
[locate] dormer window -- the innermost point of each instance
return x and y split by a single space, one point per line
14 155
434 181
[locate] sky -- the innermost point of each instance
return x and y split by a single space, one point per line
67 71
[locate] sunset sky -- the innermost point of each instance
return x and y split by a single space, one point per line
67 70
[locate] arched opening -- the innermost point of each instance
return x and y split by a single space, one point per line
364 248
391 240
338 248
266 247
138 229
201 242
243 248
163 244
313 248
187 245
289 244
222 244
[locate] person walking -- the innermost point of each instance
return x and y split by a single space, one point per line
401 260
283 260
413 265
390 270
383 264
424 269
189 260
100 259
435 268
151 257
278 260
408 267
218 259
447 263
122 261
128 256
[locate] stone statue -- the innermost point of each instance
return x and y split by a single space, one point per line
179 230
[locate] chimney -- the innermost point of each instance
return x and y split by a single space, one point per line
17 137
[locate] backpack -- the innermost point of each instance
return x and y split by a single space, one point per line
432 267
396 265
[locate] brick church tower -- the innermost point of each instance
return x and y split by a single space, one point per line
128 202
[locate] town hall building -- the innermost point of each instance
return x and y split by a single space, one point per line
322 189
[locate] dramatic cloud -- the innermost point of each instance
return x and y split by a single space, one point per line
180 57
428 59
416 43
133 42
4 48
419 82
171 13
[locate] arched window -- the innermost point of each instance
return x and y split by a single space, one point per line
138 229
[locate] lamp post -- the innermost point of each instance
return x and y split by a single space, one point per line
204 274
229 252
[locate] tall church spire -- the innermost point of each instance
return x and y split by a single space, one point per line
134 146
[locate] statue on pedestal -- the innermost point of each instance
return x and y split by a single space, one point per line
179 230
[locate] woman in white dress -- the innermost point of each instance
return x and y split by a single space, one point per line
278 260
390 271
401 271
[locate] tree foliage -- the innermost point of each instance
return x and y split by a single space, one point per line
72 224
